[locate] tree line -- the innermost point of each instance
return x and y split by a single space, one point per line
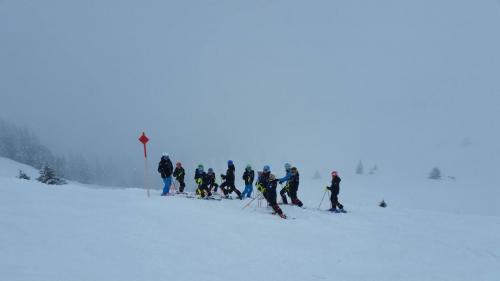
22 145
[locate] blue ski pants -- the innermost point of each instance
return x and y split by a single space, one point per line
168 182
248 191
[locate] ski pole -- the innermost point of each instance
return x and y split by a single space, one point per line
175 186
319 207
248 204
259 201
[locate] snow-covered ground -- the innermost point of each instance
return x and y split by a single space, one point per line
10 169
431 230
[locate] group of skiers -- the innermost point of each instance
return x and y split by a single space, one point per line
266 183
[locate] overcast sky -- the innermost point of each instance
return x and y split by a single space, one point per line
321 84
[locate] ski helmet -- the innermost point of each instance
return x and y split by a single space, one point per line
294 170
248 167
200 167
230 163
178 164
288 166
165 155
267 168
334 173
210 170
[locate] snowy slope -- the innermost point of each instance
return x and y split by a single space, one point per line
10 168
76 233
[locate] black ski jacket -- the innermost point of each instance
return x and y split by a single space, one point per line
165 168
270 187
202 179
335 187
248 176
198 174
212 181
293 182
179 174
229 176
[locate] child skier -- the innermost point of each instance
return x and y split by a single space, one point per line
165 168
212 181
248 177
179 174
228 185
202 180
293 187
334 193
267 184
286 178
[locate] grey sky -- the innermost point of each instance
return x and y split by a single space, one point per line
317 83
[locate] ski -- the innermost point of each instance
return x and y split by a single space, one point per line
341 211
213 198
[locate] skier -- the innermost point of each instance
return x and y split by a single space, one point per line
228 185
293 187
198 175
202 180
179 174
286 178
212 181
267 184
248 177
198 171
334 193
165 168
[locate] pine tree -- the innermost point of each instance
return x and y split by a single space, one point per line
48 176
435 174
316 176
382 204
373 170
23 175
359 168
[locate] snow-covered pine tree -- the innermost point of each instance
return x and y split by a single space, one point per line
435 174
23 175
373 170
359 168
316 176
48 176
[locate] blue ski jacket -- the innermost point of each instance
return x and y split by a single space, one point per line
285 178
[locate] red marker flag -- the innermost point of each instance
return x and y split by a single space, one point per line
144 140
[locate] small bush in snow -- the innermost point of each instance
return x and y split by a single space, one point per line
48 176
23 175
435 174
382 204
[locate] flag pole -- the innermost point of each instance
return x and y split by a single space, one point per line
144 140
146 183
